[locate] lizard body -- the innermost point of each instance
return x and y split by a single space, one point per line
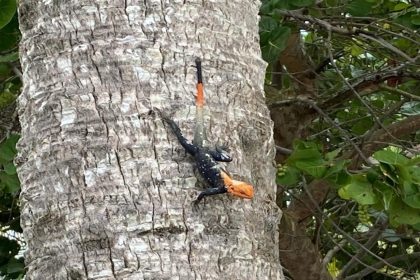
206 158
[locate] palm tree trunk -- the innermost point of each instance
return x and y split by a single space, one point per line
107 190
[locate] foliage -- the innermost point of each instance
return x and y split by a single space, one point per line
11 266
8 9
391 185
365 75
11 261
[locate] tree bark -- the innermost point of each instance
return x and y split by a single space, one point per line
107 190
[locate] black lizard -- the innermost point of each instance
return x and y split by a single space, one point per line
206 158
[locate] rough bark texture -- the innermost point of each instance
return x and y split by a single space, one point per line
106 188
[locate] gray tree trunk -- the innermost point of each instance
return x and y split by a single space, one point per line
107 190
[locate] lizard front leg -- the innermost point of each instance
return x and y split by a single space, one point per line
220 155
210 191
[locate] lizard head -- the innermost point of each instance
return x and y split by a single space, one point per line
240 189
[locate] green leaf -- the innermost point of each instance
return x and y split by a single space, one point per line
414 174
359 8
7 11
403 173
267 25
9 168
11 182
6 98
390 157
343 193
14 56
372 175
362 126
14 266
8 147
8 247
405 19
378 103
339 179
390 172
305 150
289 178
331 3
276 44
315 168
302 3
315 12
9 35
400 213
307 157
356 50
265 7
414 161
385 192
400 6
415 19
286 81
337 167
5 71
411 108
411 194
391 97
332 155
268 6
360 190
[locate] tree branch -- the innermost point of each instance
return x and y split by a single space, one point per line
381 137
376 234
385 44
345 31
283 150
344 233
298 65
321 66
330 254
306 204
366 82
343 132
400 92
380 264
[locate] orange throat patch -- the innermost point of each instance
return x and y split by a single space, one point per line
238 188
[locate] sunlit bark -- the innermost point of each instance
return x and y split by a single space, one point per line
106 189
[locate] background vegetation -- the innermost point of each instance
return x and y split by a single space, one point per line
11 258
351 70
350 177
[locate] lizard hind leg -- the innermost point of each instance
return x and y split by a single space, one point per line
191 148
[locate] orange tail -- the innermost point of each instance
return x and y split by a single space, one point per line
199 102
200 92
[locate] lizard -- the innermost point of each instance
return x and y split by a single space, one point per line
206 158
